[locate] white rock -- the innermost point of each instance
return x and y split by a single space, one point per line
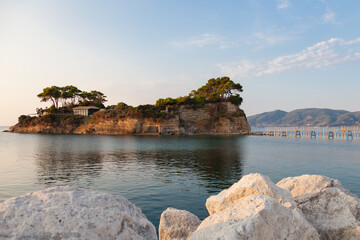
256 217
177 224
330 208
248 185
72 213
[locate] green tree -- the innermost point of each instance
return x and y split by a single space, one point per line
70 92
94 98
52 93
219 89
165 102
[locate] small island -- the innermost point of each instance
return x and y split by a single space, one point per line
213 109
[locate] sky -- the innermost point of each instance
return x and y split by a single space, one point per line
286 54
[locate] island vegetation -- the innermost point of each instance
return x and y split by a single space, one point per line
64 99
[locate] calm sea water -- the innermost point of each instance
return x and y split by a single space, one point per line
159 172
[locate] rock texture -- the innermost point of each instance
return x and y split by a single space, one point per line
223 118
248 185
71 213
330 208
177 224
256 217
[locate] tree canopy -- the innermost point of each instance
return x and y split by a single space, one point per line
221 89
215 90
71 95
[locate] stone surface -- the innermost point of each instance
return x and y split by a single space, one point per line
177 224
72 213
248 185
330 208
256 217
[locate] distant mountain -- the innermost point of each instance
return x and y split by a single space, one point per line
316 117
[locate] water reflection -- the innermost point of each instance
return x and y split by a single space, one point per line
59 162
215 163
159 172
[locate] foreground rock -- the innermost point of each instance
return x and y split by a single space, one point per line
256 217
248 185
331 209
177 224
71 213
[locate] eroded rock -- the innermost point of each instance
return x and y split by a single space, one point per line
330 208
177 224
255 217
248 185
72 213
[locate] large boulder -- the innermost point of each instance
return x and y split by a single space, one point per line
72 213
330 208
177 224
248 185
256 217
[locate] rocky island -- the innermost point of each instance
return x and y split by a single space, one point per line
213 109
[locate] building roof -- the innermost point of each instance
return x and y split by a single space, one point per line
85 108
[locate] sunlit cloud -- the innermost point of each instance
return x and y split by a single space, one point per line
320 55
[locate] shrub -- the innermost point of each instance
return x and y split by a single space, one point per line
25 120
236 99
75 120
49 118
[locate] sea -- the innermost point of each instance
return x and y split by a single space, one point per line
157 172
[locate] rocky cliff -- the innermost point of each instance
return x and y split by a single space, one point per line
223 118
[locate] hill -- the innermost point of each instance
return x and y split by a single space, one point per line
317 117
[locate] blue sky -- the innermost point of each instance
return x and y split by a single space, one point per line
287 54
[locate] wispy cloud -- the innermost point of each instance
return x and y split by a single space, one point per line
329 16
257 40
269 38
242 69
205 40
282 4
322 54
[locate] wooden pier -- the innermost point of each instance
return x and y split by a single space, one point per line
342 133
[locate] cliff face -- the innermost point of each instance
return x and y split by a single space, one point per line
222 118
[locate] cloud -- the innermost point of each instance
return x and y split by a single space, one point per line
205 40
283 4
329 16
242 69
320 55
269 38
258 39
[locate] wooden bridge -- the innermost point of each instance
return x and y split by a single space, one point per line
344 133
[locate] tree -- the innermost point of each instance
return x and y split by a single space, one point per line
71 95
219 89
166 102
70 92
52 93
215 90
94 97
